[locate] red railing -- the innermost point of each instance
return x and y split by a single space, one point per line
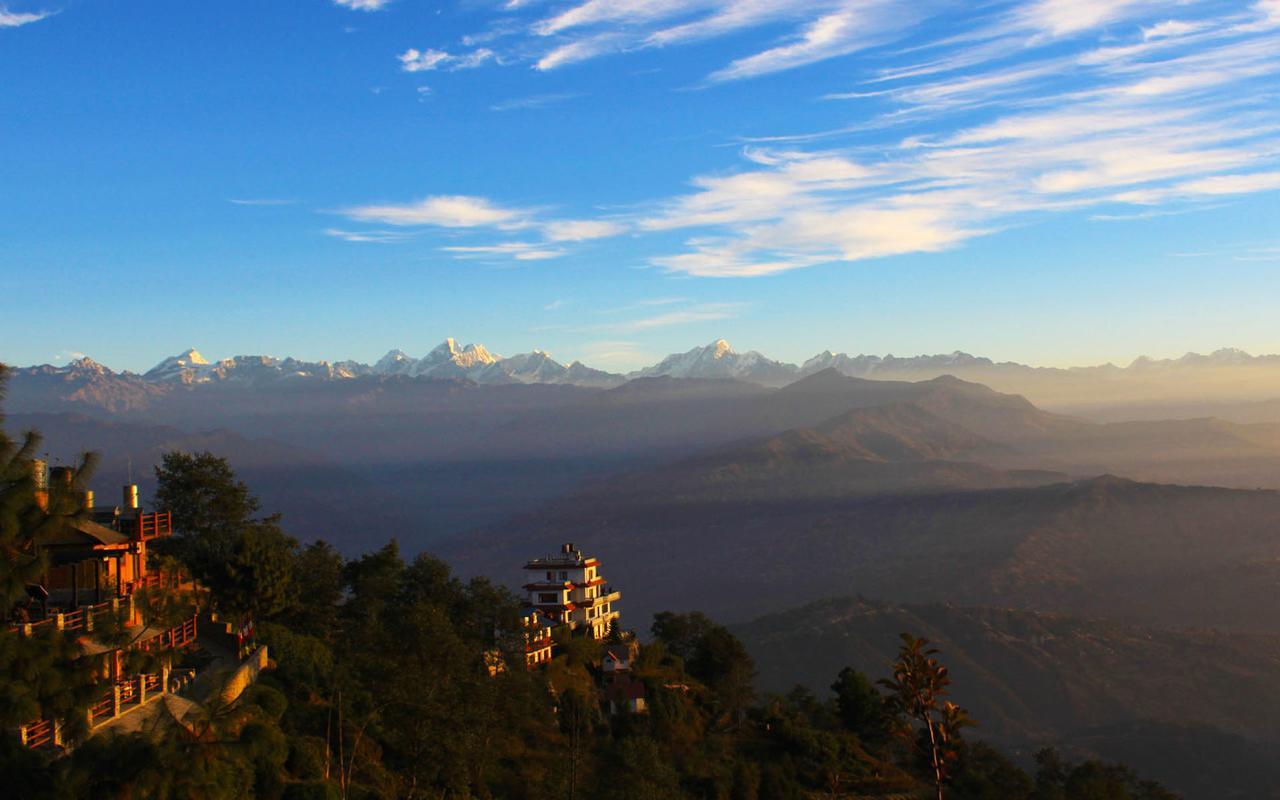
103 709
152 682
150 526
180 635
73 620
34 625
158 580
39 733
149 580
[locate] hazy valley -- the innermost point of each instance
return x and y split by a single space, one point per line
1084 558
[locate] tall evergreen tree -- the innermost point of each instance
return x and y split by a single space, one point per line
246 562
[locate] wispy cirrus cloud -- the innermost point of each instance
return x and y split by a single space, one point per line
368 236
414 60
443 211
520 251
1159 119
533 101
16 19
1008 112
463 212
363 5
700 312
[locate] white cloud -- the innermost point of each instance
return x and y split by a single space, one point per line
14 19
828 36
1068 17
368 236
520 251
580 50
414 60
1212 186
578 230
704 312
445 211
1168 28
533 101
1021 109
1269 11
821 29
1142 127
461 212
363 5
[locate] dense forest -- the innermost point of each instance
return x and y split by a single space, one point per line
392 678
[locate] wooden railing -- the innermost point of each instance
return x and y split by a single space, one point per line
149 580
38 733
103 710
73 620
82 618
151 526
180 635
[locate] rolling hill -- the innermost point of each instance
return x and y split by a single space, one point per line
1119 692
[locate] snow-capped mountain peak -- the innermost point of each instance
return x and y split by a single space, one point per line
448 360
186 367
720 360
393 363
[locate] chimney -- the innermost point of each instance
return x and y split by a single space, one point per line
61 477
40 476
131 495
567 548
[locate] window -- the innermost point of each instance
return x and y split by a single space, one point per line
550 576
546 597
564 576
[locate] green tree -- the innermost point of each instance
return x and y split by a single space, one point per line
246 563
45 675
984 773
316 591
208 502
711 654
861 707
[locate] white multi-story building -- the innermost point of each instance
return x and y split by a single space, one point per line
568 588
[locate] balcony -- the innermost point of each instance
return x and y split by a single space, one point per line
148 526
77 619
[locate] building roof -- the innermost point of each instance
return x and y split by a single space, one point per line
573 561
86 532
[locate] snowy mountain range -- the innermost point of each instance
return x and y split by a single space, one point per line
451 360
448 360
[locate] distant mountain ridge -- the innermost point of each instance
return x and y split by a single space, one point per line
716 360
701 394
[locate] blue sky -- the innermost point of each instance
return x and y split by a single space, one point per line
1050 181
